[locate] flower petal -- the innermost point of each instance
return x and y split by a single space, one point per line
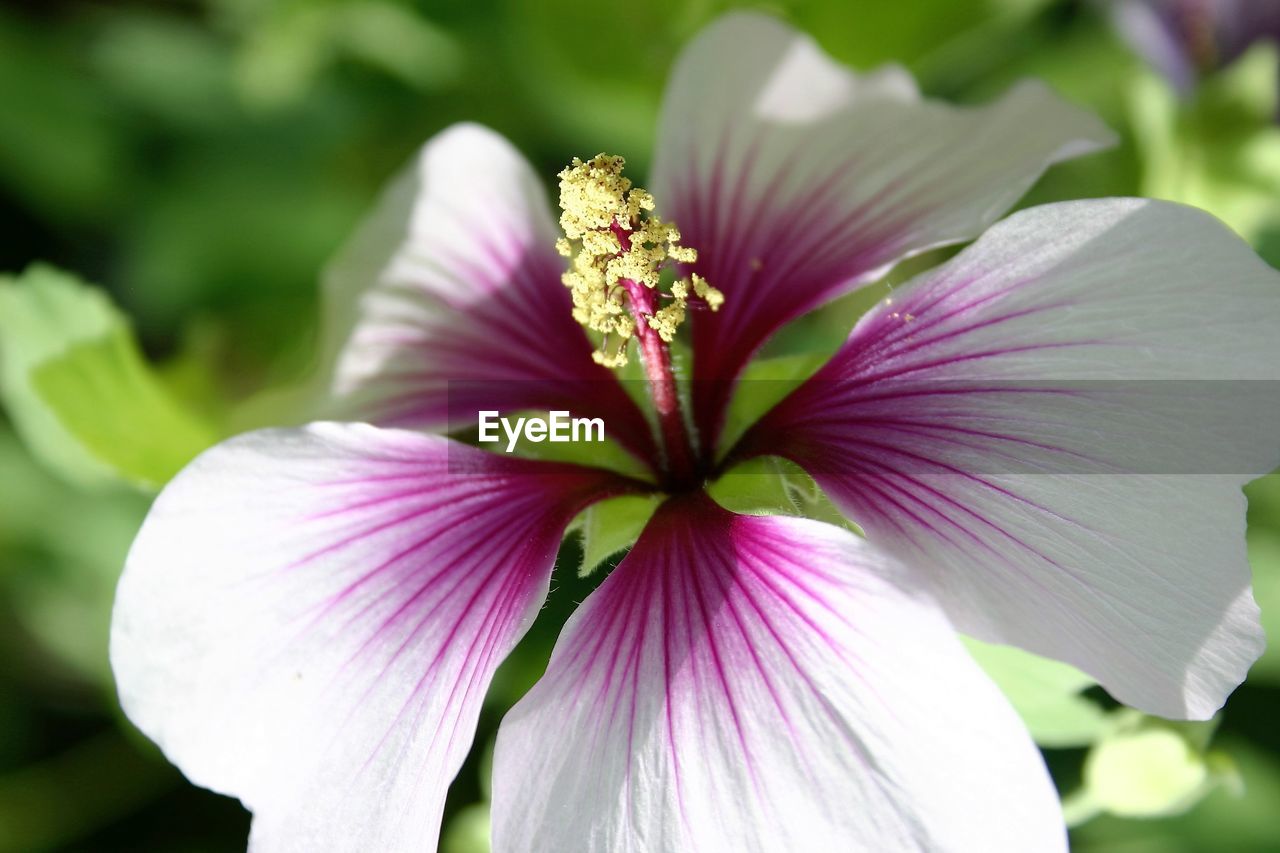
1057 423
454 287
310 617
745 683
797 180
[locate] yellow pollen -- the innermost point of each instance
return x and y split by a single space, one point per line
601 209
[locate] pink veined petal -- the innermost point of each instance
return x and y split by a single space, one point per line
797 180
310 618
1057 423
744 683
448 301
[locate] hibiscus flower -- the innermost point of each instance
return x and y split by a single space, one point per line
1184 39
310 617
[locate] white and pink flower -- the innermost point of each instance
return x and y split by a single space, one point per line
310 617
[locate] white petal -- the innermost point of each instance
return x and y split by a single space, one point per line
449 300
797 180
747 683
1014 421
309 619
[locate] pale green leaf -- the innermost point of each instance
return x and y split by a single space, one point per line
467 831
1237 815
1151 771
612 525
1046 694
755 487
79 391
1220 152
770 485
761 387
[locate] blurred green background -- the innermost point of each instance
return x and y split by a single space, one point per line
181 171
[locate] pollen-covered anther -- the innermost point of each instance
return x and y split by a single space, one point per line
707 293
617 244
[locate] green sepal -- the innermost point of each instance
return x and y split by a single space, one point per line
610 526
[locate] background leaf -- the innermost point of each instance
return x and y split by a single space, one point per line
80 391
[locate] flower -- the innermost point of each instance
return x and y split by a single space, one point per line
1183 39
309 617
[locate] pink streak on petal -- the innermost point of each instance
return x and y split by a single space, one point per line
798 180
461 307
731 686
1057 423
342 595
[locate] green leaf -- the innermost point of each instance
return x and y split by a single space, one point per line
79 391
286 47
593 80
1264 557
1264 502
612 525
37 814
166 65
400 41
755 487
61 549
61 146
761 387
467 831
1239 815
871 32
1220 152
1151 768
1045 693
770 485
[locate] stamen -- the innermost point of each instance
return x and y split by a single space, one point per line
617 244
